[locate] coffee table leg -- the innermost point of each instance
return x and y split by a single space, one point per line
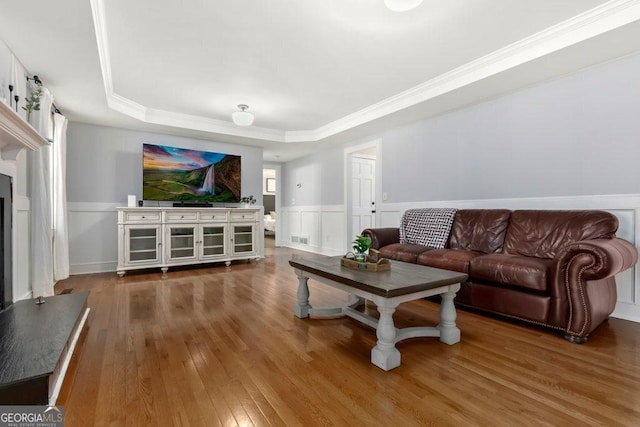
385 355
354 301
301 308
449 332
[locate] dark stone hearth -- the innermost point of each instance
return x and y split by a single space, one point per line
33 343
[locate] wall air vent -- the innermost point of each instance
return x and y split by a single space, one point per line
296 238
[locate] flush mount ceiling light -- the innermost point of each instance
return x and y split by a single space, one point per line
242 117
402 5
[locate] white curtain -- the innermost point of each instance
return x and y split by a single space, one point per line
41 226
60 226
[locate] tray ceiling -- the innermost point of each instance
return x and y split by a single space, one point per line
313 73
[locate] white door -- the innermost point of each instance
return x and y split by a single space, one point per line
363 208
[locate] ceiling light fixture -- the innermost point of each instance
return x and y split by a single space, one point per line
242 117
402 5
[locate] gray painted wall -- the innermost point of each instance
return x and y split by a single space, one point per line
104 164
320 177
578 135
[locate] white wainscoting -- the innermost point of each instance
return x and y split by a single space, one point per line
21 248
93 237
323 227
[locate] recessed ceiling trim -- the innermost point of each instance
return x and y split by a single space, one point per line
596 21
100 25
205 124
127 106
591 23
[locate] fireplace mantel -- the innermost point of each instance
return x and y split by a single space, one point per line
16 134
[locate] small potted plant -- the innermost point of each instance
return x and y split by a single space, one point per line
247 201
361 245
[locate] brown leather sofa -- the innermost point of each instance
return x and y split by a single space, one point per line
551 268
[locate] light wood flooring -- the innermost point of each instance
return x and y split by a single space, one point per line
220 346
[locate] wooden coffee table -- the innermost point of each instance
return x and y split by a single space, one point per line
387 289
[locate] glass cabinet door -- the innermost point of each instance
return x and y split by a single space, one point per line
243 241
212 238
142 244
182 242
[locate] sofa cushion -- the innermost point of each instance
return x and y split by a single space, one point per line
448 259
543 234
514 270
427 227
403 252
480 230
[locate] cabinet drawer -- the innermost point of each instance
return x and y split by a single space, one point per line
142 216
244 216
181 216
213 216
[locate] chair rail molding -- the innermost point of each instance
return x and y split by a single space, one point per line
324 228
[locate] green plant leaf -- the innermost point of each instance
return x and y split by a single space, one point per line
361 244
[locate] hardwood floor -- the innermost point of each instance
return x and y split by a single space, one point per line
217 346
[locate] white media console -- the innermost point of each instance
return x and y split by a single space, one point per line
164 237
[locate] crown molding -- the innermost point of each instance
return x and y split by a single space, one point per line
100 25
127 106
205 124
594 22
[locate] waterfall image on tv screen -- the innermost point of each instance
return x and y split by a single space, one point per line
176 174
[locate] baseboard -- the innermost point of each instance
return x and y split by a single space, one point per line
93 267
315 249
627 311
27 295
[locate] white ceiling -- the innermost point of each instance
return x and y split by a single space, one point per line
314 72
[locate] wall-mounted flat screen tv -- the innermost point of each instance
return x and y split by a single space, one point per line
179 174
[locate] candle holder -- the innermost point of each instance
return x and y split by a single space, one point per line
16 98
10 95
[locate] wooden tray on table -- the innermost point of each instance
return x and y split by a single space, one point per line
370 264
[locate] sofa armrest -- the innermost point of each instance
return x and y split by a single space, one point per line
599 258
382 236
583 278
